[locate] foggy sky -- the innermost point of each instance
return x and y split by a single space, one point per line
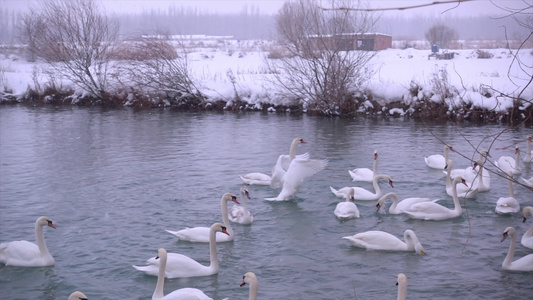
464 9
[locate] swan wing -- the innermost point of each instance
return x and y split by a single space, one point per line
435 161
377 240
24 254
407 202
240 215
361 174
507 205
346 210
522 264
198 235
256 179
187 294
360 193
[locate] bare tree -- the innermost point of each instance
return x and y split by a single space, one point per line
76 40
30 28
320 69
154 66
441 35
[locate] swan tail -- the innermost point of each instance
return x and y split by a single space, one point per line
174 233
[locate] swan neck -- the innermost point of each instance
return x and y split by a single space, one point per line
213 248
39 238
448 174
292 150
375 183
457 205
243 201
158 292
254 286
409 240
395 202
375 166
402 291
225 218
510 254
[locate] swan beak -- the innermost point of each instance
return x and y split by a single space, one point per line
378 207
224 230
243 283
505 234
234 199
391 184
524 220
51 224
475 165
422 253
302 141
247 194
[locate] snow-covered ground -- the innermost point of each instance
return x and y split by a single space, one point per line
482 82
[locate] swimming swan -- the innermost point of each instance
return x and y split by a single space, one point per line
462 191
401 282
27 254
250 279
527 238
256 178
361 193
522 264
347 209
398 206
507 163
365 174
181 294
508 205
181 266
438 161
481 179
240 213
77 295
381 240
434 211
202 234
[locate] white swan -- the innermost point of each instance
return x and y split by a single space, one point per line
300 168
463 191
381 240
347 209
181 294
365 174
202 234
507 163
527 238
438 161
398 206
469 174
181 266
283 162
361 193
481 180
434 211
240 213
522 264
250 279
528 182
528 158
27 254
508 205
256 178
77 295
401 282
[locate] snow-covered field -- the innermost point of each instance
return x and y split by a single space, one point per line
486 82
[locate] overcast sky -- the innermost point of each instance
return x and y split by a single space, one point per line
469 8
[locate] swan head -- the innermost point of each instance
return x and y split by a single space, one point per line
448 165
381 200
230 197
248 278
45 221
530 138
244 192
219 227
448 147
402 279
516 149
409 234
527 211
508 231
350 195
77 295
161 252
298 141
375 154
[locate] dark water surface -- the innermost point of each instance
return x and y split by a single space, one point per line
112 181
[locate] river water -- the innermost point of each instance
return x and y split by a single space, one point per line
113 181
